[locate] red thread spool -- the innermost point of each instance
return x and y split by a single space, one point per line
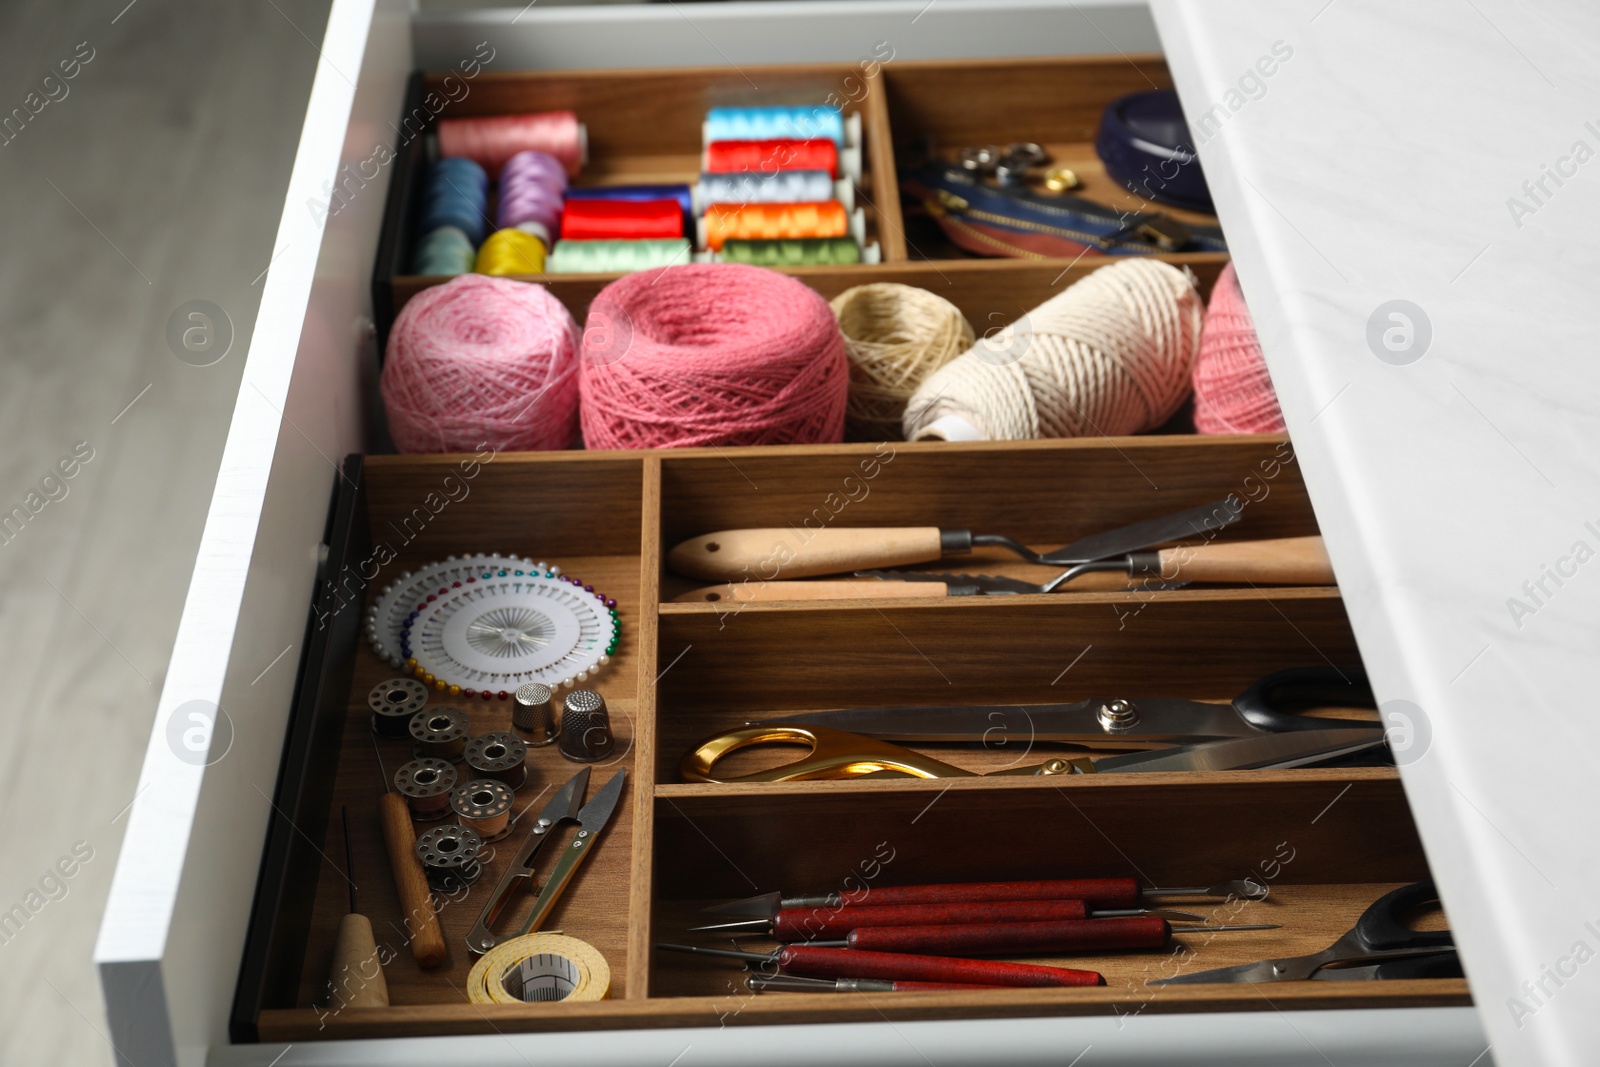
771 222
621 220
491 140
769 157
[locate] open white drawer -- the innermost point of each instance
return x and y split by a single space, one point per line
171 943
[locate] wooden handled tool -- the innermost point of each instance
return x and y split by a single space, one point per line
410 881
1285 561
356 978
836 589
1016 938
1093 892
732 555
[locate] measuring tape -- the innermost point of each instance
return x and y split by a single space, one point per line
539 968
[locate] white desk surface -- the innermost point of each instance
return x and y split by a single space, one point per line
1385 159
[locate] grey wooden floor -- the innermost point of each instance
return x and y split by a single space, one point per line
156 179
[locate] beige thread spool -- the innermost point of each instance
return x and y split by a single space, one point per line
896 335
426 785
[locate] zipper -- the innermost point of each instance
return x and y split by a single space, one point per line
956 205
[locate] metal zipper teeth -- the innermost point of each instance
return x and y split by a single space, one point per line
1092 240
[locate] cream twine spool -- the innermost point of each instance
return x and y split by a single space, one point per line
1111 355
896 335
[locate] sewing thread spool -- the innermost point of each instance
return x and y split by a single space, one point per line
426 785
616 257
450 857
896 336
781 187
797 252
534 715
797 122
539 968
483 806
456 193
531 187
586 727
683 194
1111 355
510 252
498 756
492 140
770 222
1232 389
446 251
657 372
440 734
621 220
770 157
394 704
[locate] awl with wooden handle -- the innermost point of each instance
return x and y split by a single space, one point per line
356 978
410 881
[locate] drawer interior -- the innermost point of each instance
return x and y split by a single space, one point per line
1326 840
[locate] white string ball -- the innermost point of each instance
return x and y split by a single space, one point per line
1111 355
895 335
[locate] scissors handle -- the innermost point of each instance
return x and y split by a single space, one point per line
834 754
1261 704
1382 927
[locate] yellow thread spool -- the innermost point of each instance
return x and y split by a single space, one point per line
510 252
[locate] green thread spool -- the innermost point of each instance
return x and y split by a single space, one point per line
799 252
617 257
445 251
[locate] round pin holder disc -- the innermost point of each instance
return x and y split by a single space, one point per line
413 589
498 634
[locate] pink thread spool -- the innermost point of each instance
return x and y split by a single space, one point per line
492 140
1232 390
711 354
482 361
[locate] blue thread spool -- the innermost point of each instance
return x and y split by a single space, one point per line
804 122
445 251
457 195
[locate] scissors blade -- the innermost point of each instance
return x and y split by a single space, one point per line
1267 750
1161 720
597 812
1189 522
562 807
1287 969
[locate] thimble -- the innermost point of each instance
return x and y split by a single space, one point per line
585 727
533 715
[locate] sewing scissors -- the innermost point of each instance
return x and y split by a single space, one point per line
1253 732
1380 934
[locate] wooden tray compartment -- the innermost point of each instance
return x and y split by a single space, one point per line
1054 102
682 671
644 128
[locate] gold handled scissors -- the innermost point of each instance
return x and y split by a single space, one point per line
836 754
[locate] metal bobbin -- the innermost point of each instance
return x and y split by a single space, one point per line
498 756
484 806
440 734
533 714
394 703
426 785
585 727
450 857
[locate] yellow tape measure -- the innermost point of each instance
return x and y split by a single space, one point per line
538 968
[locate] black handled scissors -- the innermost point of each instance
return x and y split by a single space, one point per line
1380 934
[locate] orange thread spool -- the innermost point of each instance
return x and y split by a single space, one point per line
771 222
769 157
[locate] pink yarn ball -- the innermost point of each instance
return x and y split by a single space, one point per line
1232 390
480 361
712 354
